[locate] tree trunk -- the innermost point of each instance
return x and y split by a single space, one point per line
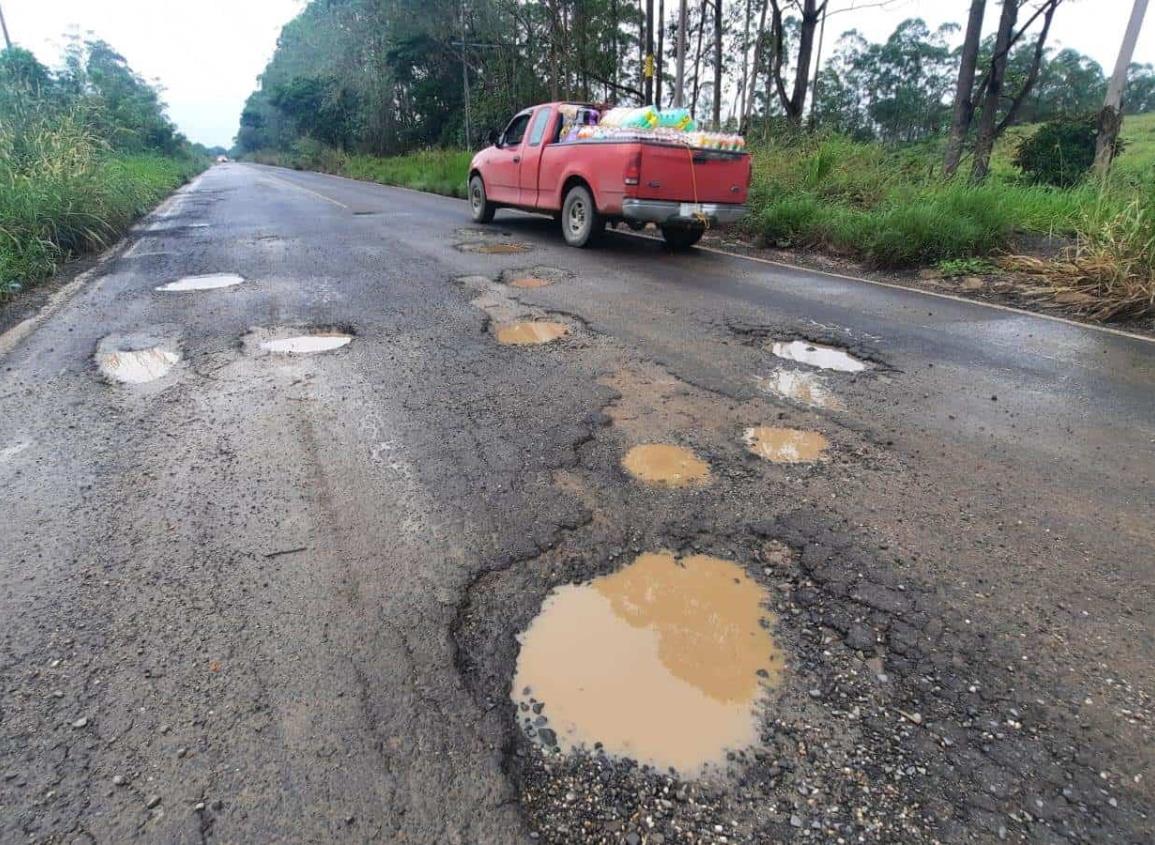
964 107
740 100
817 70
680 84
795 102
698 56
717 65
661 63
985 141
748 108
1111 117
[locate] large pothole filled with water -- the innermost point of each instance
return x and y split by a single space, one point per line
136 359
292 341
529 332
667 661
817 355
665 465
786 445
208 281
802 387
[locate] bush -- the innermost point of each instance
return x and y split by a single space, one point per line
1061 152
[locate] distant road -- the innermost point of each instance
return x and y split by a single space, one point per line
253 596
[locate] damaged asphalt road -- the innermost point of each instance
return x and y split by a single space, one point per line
267 547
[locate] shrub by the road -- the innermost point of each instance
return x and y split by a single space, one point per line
1060 152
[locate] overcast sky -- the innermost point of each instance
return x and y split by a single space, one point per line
206 54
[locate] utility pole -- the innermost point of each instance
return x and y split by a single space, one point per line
1111 117
648 69
465 80
680 80
4 26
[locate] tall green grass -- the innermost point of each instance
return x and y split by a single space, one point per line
63 193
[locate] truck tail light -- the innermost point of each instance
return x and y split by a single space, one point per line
634 168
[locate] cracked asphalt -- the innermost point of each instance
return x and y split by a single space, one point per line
271 597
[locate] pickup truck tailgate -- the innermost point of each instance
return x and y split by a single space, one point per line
684 174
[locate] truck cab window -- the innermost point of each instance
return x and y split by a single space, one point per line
515 131
539 123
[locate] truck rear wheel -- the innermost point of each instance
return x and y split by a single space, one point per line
580 222
681 238
480 208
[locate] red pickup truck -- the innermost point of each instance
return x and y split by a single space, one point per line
588 183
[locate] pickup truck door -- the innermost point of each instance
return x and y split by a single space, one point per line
505 164
535 141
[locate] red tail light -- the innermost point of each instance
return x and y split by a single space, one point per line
634 168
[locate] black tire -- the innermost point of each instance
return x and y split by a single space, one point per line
480 208
681 238
580 222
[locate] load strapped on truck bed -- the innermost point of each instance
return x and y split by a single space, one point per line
671 126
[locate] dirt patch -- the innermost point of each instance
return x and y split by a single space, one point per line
529 333
533 277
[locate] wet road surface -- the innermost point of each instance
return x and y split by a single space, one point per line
269 584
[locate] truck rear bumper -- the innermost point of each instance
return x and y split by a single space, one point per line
681 213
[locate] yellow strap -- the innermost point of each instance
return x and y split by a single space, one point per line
698 215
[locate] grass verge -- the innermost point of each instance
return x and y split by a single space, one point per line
63 196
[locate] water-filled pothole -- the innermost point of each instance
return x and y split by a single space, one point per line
135 359
529 333
664 661
307 344
209 281
806 388
786 445
488 248
816 355
666 465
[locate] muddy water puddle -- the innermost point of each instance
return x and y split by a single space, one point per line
529 333
805 388
666 661
665 465
209 281
308 344
816 355
786 445
135 359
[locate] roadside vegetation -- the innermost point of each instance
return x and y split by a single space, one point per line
83 153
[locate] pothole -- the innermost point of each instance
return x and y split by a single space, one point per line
786 445
665 661
307 344
665 465
135 359
816 355
490 248
533 277
805 388
209 281
529 333
483 233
